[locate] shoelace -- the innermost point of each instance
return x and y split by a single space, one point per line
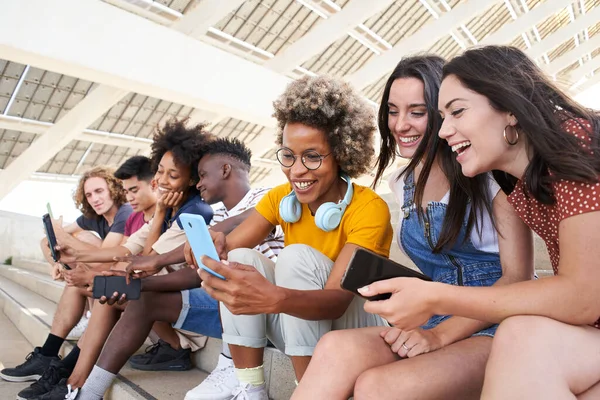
218 376
27 360
241 392
71 394
49 378
152 349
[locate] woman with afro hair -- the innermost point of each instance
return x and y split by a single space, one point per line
325 137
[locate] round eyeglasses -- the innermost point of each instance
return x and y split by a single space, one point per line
310 158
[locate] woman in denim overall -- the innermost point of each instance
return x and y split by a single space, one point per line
446 357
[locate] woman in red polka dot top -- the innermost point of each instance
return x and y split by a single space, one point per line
502 114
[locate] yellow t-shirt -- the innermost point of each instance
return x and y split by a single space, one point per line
366 223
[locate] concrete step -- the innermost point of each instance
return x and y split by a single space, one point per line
36 282
13 350
38 266
33 314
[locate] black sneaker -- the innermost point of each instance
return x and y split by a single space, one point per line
61 391
31 370
162 357
49 379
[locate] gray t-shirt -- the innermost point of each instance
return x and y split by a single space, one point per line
100 225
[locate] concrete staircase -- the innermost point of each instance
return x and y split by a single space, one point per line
28 297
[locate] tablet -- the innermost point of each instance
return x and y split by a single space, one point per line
366 267
199 238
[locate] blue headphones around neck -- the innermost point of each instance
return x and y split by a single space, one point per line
328 215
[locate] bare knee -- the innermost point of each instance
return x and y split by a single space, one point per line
520 333
331 346
140 307
369 386
374 384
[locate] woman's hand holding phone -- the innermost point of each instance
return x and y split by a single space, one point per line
412 303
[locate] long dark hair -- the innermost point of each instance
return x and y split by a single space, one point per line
428 69
513 83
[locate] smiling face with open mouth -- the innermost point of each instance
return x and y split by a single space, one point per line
312 186
473 129
407 115
172 176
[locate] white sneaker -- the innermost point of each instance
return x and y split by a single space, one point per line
78 329
218 385
246 391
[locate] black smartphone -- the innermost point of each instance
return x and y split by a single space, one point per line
366 267
49 229
107 285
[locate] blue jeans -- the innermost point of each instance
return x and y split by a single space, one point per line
199 313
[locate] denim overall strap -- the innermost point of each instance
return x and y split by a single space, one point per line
409 194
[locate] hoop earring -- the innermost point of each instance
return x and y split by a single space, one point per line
506 138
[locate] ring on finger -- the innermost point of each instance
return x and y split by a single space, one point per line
405 348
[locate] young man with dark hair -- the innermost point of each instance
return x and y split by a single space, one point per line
101 199
137 174
224 177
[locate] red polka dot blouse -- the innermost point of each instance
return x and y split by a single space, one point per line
572 198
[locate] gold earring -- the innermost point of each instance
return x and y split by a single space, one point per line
506 138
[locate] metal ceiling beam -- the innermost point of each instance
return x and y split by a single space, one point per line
154 60
593 81
205 14
580 73
88 135
58 136
423 38
557 38
323 34
586 68
569 58
536 15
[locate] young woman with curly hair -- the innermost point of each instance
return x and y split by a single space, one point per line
326 138
448 228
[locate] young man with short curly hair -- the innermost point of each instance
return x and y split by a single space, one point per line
326 134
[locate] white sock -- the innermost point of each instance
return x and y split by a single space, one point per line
226 351
96 384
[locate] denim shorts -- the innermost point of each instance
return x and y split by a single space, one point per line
199 314
437 319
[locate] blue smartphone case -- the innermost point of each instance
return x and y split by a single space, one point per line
197 234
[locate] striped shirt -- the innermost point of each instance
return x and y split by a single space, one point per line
272 244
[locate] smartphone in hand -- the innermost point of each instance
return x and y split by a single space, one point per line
51 236
108 285
366 267
200 240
